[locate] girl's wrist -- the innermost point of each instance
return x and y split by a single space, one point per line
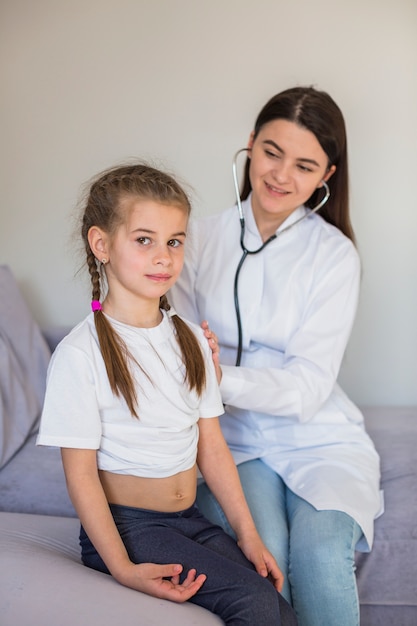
246 531
119 570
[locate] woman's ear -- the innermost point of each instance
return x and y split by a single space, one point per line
98 241
250 142
329 173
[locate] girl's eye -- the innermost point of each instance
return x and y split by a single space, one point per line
144 241
174 243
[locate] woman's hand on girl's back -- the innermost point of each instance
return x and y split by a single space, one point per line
214 346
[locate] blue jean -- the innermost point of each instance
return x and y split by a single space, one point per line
233 589
314 549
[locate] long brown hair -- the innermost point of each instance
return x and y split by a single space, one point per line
317 112
103 209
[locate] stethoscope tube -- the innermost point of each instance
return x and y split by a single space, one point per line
247 252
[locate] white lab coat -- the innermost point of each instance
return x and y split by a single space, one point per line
298 299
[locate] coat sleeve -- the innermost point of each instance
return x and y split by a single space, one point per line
313 355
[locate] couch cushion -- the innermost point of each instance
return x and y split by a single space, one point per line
42 581
387 575
24 358
34 482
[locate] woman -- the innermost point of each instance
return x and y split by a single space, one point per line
309 470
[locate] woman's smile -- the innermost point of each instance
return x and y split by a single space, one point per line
276 190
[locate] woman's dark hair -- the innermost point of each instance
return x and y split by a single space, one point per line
106 208
317 112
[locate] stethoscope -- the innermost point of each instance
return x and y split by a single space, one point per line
246 252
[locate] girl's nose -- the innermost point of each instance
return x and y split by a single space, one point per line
162 255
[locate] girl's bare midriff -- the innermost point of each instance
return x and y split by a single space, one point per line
170 494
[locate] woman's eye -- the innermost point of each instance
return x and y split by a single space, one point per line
304 168
272 154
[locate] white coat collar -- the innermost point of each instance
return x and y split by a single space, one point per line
250 219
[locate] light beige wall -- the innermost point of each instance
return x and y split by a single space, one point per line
86 83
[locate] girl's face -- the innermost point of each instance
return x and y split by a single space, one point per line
144 257
287 164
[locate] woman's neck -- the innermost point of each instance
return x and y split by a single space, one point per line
268 224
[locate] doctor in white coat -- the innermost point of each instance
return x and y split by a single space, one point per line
308 468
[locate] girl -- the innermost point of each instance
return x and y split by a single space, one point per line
309 471
132 400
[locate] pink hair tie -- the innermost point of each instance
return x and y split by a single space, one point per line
96 305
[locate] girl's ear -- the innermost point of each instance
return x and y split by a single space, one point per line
98 241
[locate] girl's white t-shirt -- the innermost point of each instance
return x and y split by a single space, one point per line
81 411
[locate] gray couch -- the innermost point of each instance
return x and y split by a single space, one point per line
41 578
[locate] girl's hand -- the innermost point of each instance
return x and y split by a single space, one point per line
215 350
265 564
152 579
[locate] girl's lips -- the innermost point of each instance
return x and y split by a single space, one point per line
159 278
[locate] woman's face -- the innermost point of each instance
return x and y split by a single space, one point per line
287 164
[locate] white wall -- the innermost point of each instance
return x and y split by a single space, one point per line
87 83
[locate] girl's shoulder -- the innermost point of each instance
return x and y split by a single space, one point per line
195 328
82 336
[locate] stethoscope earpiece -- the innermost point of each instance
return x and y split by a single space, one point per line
236 183
324 200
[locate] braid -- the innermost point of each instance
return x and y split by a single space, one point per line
164 304
94 274
195 370
116 358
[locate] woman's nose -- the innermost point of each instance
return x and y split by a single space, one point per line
281 171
